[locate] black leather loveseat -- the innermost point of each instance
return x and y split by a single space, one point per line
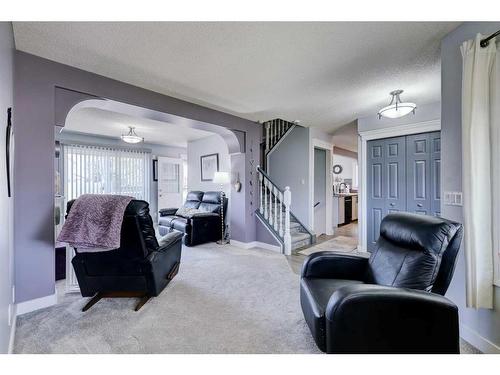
204 225
141 267
392 302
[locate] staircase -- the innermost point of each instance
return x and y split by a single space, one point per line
275 131
275 203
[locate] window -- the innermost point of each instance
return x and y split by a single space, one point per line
105 170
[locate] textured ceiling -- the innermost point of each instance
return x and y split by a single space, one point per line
323 74
112 124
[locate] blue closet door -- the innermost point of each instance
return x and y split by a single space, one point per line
404 174
395 178
435 158
418 182
376 189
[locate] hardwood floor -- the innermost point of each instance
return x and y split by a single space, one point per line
350 230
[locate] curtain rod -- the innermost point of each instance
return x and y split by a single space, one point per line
484 42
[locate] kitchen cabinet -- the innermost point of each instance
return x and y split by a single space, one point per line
354 207
341 211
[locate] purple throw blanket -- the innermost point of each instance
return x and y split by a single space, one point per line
94 222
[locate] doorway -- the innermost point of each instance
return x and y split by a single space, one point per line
170 182
319 191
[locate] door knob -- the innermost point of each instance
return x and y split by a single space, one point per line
392 204
419 205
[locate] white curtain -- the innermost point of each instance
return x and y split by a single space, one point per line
480 168
105 170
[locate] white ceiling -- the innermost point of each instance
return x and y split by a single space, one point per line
324 74
112 124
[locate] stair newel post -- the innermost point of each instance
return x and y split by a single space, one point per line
280 210
267 136
287 198
261 205
275 195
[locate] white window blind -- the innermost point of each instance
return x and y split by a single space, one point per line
105 170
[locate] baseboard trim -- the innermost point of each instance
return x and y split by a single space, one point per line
254 244
478 341
35 304
12 330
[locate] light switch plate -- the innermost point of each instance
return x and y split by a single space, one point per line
453 198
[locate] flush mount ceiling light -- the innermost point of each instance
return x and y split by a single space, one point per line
131 136
396 107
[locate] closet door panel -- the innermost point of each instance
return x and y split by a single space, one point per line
418 172
395 166
435 177
376 189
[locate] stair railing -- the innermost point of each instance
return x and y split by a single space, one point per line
275 130
271 204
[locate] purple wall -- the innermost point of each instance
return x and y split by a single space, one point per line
6 256
35 112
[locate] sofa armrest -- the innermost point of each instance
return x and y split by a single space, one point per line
332 265
168 240
205 215
380 319
167 211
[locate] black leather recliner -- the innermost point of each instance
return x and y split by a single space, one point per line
196 229
392 302
140 267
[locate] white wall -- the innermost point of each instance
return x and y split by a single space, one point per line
290 165
6 254
347 164
206 146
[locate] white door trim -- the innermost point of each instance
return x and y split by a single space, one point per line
318 143
364 137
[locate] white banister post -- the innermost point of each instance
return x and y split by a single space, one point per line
287 237
267 136
266 211
270 203
275 190
261 207
280 206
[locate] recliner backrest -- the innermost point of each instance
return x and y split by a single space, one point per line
415 251
211 202
137 238
193 199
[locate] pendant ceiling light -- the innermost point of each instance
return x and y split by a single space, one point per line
396 107
131 136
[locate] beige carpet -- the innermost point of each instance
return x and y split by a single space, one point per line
224 300
341 243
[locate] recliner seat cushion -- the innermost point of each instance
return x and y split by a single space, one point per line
181 224
314 296
166 221
409 250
